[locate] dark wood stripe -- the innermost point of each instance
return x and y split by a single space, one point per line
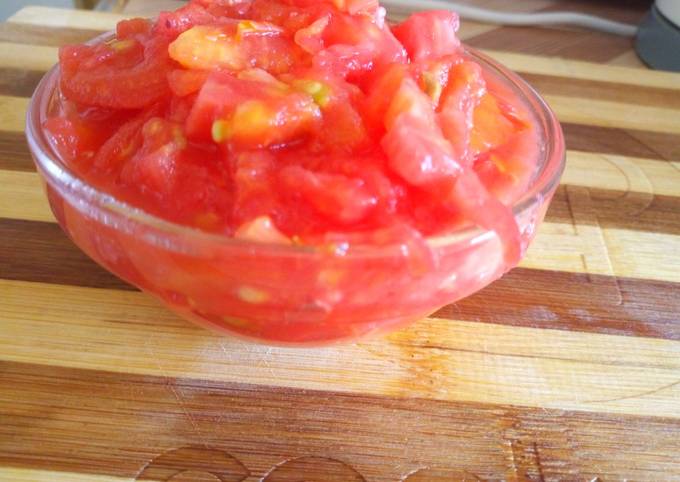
609 91
41 252
570 43
553 42
39 35
18 82
14 152
622 142
575 302
119 424
666 146
616 209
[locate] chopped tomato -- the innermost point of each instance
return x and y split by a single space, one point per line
459 100
251 113
299 123
343 199
120 75
133 28
429 35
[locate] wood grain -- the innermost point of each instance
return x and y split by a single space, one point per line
19 83
12 113
607 91
382 439
14 153
565 369
26 244
22 197
447 360
23 33
579 70
529 297
58 18
626 142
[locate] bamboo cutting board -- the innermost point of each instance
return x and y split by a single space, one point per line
566 369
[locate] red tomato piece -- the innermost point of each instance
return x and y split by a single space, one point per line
185 82
470 197
429 35
122 145
133 28
342 199
418 153
463 93
120 75
251 113
356 44
171 24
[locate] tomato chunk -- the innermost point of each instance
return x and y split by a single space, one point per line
429 35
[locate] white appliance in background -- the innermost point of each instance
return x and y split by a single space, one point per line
658 39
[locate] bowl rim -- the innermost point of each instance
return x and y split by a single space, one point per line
552 162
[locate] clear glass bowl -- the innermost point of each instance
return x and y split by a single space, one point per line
288 295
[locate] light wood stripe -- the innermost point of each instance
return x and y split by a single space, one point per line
10 474
28 34
605 251
128 332
13 113
615 114
575 69
621 173
27 57
22 197
62 17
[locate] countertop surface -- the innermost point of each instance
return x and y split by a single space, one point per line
566 369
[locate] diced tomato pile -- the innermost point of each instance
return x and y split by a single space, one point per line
297 121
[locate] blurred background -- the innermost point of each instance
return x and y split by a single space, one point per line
8 7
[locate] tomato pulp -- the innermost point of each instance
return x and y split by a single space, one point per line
296 123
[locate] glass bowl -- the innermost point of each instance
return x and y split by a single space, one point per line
289 295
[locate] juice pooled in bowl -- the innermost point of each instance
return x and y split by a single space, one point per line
294 171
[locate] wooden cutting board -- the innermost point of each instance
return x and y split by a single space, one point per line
566 369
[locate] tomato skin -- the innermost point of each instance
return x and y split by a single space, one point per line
355 45
133 28
186 82
463 93
94 75
429 35
426 159
295 117
311 125
471 198
342 199
75 141
256 113
172 24
123 144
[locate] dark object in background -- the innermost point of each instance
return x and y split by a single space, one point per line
658 39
